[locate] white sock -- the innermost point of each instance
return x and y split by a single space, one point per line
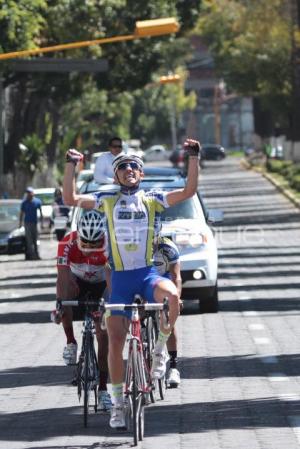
161 342
117 395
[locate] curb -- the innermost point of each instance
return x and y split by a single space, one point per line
275 183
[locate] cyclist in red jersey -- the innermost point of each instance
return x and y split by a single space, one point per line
81 268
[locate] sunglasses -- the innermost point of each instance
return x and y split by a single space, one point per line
132 165
87 244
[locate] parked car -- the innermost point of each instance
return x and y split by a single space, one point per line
188 224
156 153
212 152
12 237
84 176
177 157
46 195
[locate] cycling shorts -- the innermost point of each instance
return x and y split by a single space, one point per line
126 284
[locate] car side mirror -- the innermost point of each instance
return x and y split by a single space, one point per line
215 216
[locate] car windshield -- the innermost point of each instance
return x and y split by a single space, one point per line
9 212
47 199
85 176
189 209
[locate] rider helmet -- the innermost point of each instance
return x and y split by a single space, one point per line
91 226
127 158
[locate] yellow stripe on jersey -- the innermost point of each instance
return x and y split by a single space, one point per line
109 205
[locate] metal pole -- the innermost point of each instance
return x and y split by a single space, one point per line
173 123
1 126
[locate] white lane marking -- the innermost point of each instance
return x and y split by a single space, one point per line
244 298
261 340
289 397
256 326
269 359
278 377
249 313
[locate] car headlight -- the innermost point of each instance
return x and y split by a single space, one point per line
17 232
190 239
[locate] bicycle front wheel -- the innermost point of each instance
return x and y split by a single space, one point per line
87 370
134 397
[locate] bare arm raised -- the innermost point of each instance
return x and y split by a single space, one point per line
176 196
70 196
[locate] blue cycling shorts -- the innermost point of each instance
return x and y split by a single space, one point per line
126 284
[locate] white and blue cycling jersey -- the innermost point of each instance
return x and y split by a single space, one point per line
130 226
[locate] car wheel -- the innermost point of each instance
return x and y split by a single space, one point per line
211 304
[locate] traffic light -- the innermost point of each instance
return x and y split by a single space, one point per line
169 79
156 27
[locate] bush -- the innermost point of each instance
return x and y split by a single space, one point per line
275 166
295 182
293 171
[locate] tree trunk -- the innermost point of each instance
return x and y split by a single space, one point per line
14 124
51 148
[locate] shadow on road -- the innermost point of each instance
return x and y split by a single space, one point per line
186 418
38 375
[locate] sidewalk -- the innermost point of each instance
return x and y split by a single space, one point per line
286 192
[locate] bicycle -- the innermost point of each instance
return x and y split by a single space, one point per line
87 370
150 330
138 380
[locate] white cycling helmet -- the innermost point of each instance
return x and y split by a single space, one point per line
127 158
91 226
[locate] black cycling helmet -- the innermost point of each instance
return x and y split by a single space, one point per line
127 158
91 226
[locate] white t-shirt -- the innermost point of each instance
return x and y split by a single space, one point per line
103 173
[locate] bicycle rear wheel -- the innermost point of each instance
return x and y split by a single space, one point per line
149 348
161 383
86 389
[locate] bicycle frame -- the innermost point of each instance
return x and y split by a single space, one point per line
87 374
138 382
143 380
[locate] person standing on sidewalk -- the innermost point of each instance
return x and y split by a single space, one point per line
103 173
29 207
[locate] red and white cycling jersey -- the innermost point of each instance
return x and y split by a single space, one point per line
88 266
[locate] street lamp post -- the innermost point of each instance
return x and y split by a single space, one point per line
171 79
143 28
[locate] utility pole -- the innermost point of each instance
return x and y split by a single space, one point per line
172 79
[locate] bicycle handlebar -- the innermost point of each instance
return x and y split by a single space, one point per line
103 306
145 307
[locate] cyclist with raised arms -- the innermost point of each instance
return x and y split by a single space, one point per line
81 269
130 215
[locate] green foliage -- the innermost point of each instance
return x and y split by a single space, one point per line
251 45
152 109
21 22
91 107
295 182
32 151
274 165
288 170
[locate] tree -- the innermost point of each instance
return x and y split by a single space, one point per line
251 45
39 101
